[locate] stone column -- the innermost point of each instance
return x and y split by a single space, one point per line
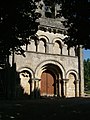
10 60
57 87
81 71
77 88
75 83
66 81
47 48
64 50
32 89
60 87
64 88
37 45
36 88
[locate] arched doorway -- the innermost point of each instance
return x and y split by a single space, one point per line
50 84
47 83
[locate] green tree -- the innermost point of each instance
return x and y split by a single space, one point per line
77 20
87 73
77 15
18 21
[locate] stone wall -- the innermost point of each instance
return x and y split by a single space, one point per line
37 60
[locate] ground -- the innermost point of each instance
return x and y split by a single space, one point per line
45 109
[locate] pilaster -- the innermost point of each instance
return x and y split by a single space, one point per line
81 71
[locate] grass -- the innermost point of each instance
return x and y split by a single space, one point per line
87 92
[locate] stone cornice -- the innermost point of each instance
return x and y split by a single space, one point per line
52 25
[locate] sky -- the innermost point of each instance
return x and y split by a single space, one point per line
86 54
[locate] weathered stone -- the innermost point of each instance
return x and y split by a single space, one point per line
50 55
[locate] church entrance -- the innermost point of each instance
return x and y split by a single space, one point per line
47 84
50 83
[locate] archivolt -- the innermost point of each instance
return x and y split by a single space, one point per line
44 37
26 69
72 72
57 39
44 65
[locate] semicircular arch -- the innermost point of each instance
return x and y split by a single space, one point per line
44 37
42 67
57 39
26 69
72 72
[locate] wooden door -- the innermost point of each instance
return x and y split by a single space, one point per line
47 84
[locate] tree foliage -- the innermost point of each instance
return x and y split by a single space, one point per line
77 20
77 15
87 73
17 24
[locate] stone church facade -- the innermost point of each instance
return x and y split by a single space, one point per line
50 68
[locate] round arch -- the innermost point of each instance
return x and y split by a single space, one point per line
72 84
50 73
44 37
25 75
72 72
26 69
57 39
42 66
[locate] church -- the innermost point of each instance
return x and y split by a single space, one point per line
50 68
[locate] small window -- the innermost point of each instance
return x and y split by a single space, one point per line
57 47
48 11
42 46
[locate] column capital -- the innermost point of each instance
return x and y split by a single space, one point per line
36 79
64 80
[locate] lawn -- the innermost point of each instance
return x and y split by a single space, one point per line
87 92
